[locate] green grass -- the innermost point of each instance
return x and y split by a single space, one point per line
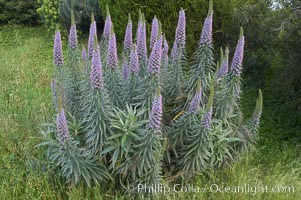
25 103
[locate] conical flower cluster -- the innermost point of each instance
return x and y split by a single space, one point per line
62 128
236 66
73 37
96 70
112 60
195 102
141 42
155 58
107 27
206 36
128 38
154 32
72 33
58 50
155 117
206 121
91 38
223 71
134 62
181 30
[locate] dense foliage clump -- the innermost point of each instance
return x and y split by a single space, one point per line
138 117
58 12
18 12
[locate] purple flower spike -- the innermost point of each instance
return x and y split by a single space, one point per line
72 33
236 66
155 116
134 62
125 69
73 37
223 71
84 54
154 32
206 36
141 42
91 39
112 59
206 121
62 128
181 30
155 58
96 71
107 28
128 38
195 102
58 50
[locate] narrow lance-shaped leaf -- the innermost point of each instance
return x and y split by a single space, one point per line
221 55
258 110
125 68
174 51
165 47
84 54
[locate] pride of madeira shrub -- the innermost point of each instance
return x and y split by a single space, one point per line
140 117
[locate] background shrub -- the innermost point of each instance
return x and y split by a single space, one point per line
59 12
228 15
18 12
82 11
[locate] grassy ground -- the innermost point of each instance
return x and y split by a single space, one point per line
25 103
